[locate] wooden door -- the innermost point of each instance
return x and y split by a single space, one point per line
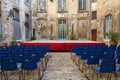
94 35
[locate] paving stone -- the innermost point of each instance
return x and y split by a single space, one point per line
61 67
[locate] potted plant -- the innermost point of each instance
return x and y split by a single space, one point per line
1 37
72 37
113 36
33 38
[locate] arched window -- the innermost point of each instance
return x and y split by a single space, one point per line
15 14
42 5
16 24
108 24
27 27
61 5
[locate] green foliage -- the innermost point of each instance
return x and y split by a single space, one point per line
33 38
113 35
72 37
1 37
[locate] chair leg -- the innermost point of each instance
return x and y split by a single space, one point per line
115 76
93 75
85 68
1 75
39 73
82 67
97 76
71 54
20 75
23 74
108 76
6 75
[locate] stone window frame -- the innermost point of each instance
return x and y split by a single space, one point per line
62 8
43 10
108 24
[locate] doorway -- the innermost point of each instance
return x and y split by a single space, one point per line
94 35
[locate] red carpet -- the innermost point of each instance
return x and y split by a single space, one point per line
62 45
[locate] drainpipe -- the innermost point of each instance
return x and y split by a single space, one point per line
90 19
30 19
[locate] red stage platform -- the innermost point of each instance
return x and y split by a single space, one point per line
62 45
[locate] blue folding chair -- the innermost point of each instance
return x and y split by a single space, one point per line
30 65
107 66
91 61
10 65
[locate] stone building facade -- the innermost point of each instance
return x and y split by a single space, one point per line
107 18
15 19
59 19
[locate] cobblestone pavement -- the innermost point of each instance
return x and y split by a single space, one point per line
61 67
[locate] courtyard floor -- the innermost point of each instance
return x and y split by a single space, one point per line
61 67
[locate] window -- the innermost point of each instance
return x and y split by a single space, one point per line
62 29
94 15
82 5
0 7
33 32
26 18
15 14
51 29
0 25
61 5
108 24
72 28
94 1
42 5
27 1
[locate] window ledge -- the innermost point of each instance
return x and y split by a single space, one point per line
94 19
41 12
16 19
62 11
82 11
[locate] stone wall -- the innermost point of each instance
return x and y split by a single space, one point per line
7 17
105 7
80 20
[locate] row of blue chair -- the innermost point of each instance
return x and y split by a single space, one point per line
92 55
27 56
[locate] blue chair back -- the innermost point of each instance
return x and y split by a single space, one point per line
29 64
9 65
108 66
